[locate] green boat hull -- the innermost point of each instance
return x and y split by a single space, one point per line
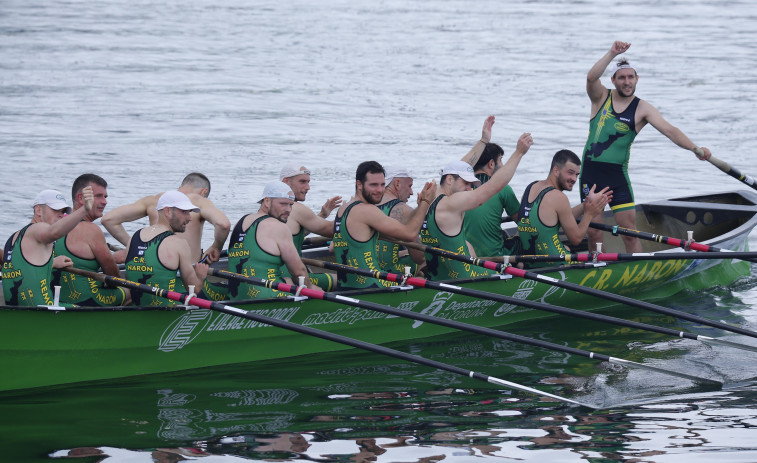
42 347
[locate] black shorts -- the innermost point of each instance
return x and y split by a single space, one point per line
604 174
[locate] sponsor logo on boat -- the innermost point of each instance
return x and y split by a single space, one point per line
525 288
443 307
183 330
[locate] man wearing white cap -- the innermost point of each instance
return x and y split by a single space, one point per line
399 187
617 115
303 220
359 222
443 227
28 255
86 247
261 243
197 188
156 253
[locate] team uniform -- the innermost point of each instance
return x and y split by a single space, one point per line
535 237
80 290
246 257
25 284
442 268
483 227
389 253
607 152
143 265
361 254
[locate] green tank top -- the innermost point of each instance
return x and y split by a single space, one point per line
144 266
442 268
483 225
389 253
535 237
80 290
361 254
246 257
611 135
25 284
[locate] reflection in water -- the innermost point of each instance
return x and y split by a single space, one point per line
357 406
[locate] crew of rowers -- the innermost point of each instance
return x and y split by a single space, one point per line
462 213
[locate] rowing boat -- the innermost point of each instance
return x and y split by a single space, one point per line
49 346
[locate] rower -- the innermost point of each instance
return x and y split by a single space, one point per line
157 252
393 257
444 224
545 208
483 225
261 244
86 247
303 220
359 222
197 187
28 255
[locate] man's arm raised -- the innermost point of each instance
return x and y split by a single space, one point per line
221 226
594 87
486 135
113 220
50 233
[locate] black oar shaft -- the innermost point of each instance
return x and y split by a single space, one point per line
584 290
733 172
434 320
217 306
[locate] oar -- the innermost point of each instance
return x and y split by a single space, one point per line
218 307
580 289
435 320
543 306
729 169
686 244
619 257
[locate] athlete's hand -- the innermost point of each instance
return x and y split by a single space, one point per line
62 262
595 202
524 143
619 47
88 197
702 153
428 193
330 205
486 132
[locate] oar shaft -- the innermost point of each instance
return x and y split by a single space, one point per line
732 171
217 306
583 289
620 257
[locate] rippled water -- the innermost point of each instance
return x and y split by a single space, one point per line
143 92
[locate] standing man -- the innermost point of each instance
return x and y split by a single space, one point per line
261 244
302 220
617 116
28 255
359 222
443 227
85 245
483 225
544 208
197 187
399 187
156 252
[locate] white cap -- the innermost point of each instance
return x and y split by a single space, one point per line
291 170
54 199
461 168
393 172
622 64
177 199
277 189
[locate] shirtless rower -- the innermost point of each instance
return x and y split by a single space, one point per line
156 252
86 247
261 244
444 228
28 255
359 222
197 187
